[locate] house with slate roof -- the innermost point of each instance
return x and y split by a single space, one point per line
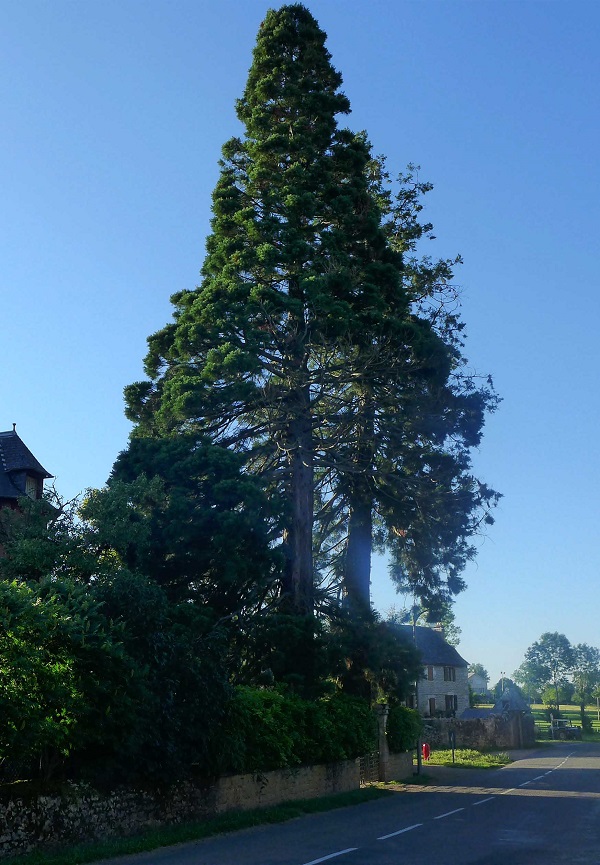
479 685
20 472
444 688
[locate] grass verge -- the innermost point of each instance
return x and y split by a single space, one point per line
469 758
167 835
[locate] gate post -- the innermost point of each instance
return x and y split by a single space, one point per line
382 711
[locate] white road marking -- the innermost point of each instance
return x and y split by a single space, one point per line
439 817
399 832
448 813
331 856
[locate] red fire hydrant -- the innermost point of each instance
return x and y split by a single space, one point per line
426 751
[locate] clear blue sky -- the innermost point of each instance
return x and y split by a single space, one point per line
113 115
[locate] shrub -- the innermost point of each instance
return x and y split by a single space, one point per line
403 728
354 726
267 729
107 682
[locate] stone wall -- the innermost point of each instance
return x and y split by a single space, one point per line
245 792
78 812
399 767
512 731
392 767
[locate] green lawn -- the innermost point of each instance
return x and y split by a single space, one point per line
468 758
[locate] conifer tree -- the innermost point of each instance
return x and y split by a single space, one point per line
313 346
248 356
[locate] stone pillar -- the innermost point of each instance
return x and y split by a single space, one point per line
382 711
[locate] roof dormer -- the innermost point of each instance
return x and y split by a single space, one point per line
20 472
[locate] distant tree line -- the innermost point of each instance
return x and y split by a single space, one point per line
555 672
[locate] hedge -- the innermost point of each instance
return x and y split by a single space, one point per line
266 729
403 729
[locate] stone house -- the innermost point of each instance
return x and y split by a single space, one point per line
20 473
443 690
478 684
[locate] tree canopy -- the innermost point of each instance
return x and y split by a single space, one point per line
547 661
479 670
320 349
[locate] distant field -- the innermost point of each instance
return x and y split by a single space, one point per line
540 714
569 711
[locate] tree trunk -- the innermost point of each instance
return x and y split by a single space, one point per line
357 576
357 566
299 584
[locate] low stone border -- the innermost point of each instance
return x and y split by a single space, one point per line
80 813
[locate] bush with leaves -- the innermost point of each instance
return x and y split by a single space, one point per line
404 727
178 671
65 680
108 681
267 729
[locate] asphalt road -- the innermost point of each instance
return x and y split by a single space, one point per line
543 808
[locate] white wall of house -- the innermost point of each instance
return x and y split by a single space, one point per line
478 684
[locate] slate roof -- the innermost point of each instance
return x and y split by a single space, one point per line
435 651
15 457
7 489
469 714
510 701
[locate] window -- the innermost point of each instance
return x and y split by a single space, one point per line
431 706
449 674
430 674
31 487
451 702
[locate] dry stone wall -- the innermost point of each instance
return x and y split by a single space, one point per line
399 767
514 731
77 812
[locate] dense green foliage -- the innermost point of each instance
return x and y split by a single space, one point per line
404 726
548 661
565 695
181 512
62 669
113 681
107 681
266 729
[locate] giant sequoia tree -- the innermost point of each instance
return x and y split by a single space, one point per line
314 346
